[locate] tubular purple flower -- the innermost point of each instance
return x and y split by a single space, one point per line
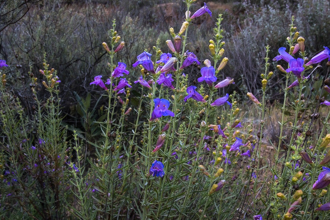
157 169
143 82
201 11
160 142
221 101
166 127
324 207
164 58
122 84
119 70
323 179
217 187
99 82
327 103
283 55
3 63
224 83
257 217
122 91
296 49
120 46
161 109
177 43
144 59
304 155
320 57
191 58
192 93
296 67
208 75
239 125
168 65
165 80
236 144
248 153
326 88
294 84
171 46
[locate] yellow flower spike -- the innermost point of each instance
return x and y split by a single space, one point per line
183 27
219 172
325 141
212 49
296 35
323 192
45 85
280 68
301 42
281 196
105 46
223 64
221 52
264 84
217 161
297 194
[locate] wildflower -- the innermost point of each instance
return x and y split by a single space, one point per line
192 93
326 88
120 46
295 205
301 43
161 109
248 153
170 46
306 157
201 11
325 141
143 82
281 196
295 49
191 58
254 175
157 169
320 56
168 65
219 172
283 55
222 64
41 141
145 61
253 98
327 103
164 58
324 207
294 84
236 144
323 179
120 171
296 67
175 155
75 168
208 75
257 217
33 148
326 159
99 82
122 91
217 187
177 43
183 27
119 70
122 84
224 83
217 129
3 63
166 127
165 80
221 101
239 125
160 142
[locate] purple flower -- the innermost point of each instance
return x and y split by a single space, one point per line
108 82
99 82
323 180
294 84
224 153
320 56
208 75
41 141
175 155
224 83
3 63
145 61
157 169
296 67
327 88
254 175
119 70
219 130
75 168
165 80
191 58
324 207
221 101
164 58
192 93
120 171
122 91
33 147
169 65
247 153
122 84
143 82
236 144
283 55
161 109
327 103
257 217
239 125
201 11
275 177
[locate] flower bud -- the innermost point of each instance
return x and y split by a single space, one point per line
297 194
117 39
295 205
183 27
45 85
270 74
170 46
223 63
221 52
264 84
187 14
325 141
219 172
222 44
217 161
281 196
166 127
105 46
211 42
288 216
212 49
203 124
306 157
253 98
160 142
294 179
326 159
296 35
291 49
280 68
295 49
120 46
172 31
128 111
301 42
323 192
177 43
217 187
206 97
207 63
